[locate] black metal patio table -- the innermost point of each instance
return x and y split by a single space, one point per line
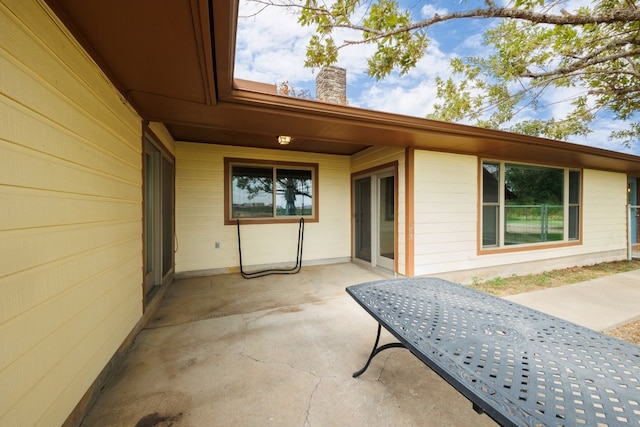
520 366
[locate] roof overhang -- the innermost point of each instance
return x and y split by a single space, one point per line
174 63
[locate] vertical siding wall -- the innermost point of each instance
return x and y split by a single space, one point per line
70 218
446 221
200 213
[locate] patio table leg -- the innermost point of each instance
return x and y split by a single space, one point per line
377 350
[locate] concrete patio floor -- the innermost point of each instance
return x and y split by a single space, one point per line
278 350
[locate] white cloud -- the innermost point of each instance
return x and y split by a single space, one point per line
599 138
412 94
429 11
271 48
415 101
270 45
474 42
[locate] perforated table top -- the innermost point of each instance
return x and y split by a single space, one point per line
520 366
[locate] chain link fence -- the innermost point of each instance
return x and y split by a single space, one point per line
533 223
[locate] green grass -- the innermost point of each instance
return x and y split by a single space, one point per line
502 286
519 238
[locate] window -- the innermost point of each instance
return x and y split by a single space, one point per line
260 191
574 205
528 204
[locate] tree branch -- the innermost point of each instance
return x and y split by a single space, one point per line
596 50
615 91
615 15
582 63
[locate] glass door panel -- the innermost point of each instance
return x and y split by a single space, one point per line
159 173
386 221
374 219
151 216
362 211
634 217
167 203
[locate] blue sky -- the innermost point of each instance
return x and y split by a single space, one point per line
271 49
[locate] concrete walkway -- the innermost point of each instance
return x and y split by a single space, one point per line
601 304
280 350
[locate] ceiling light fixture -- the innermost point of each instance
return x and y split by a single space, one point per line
284 140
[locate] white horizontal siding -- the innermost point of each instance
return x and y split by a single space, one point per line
446 221
604 211
70 221
374 157
200 212
445 212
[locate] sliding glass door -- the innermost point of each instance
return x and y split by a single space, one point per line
158 217
385 235
634 217
374 219
362 238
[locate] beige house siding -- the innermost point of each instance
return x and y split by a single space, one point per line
605 211
374 157
71 216
163 136
200 213
446 221
70 221
445 211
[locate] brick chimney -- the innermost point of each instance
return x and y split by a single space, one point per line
331 85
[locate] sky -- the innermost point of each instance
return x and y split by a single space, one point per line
271 48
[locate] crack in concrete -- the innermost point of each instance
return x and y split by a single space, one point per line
319 379
385 359
307 421
242 330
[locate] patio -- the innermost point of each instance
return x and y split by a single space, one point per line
277 350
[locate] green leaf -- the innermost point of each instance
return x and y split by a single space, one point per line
521 62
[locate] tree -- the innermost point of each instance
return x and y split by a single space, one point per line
534 47
291 186
285 89
534 185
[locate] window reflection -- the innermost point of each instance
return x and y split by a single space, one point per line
534 204
294 192
524 204
271 191
252 192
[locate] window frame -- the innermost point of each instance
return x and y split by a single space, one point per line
500 246
276 165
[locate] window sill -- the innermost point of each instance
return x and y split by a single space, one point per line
528 247
291 220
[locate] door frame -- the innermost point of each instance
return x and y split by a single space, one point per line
375 174
633 190
362 194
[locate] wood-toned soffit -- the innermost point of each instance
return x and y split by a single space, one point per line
173 61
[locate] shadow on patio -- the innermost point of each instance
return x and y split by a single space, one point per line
278 350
